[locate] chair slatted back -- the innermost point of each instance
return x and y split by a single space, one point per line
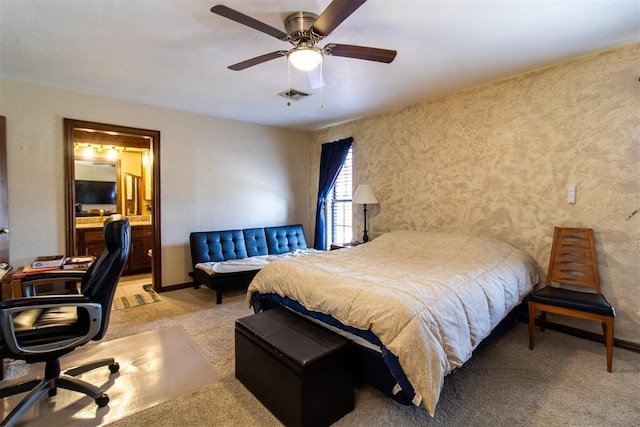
573 258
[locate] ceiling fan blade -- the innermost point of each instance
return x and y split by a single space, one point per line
334 14
361 52
257 60
315 78
249 21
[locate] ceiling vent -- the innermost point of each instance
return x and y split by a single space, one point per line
293 94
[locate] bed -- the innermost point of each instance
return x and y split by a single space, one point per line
424 300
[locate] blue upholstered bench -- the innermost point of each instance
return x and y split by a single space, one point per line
231 258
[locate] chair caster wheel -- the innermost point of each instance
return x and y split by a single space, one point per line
102 401
114 368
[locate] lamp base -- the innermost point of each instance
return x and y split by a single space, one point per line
365 236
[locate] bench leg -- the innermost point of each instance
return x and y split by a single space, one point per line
218 296
196 285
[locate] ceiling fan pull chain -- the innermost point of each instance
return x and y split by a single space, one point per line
321 86
289 83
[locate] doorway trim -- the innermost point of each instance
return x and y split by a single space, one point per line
4 203
69 126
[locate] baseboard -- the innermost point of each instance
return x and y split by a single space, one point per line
176 287
592 336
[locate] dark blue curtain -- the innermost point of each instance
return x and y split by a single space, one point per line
332 158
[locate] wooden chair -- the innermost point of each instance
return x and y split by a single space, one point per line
573 262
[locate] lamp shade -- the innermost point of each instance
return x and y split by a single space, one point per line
305 58
364 196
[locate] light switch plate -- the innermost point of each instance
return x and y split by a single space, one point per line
571 193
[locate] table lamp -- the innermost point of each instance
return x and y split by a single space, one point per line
364 196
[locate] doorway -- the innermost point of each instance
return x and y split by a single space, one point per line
114 169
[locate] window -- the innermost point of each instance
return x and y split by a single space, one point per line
339 206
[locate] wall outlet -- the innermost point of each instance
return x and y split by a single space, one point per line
571 193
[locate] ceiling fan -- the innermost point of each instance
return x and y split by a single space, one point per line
304 30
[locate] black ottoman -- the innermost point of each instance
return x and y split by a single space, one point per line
299 370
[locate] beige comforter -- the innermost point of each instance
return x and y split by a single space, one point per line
429 297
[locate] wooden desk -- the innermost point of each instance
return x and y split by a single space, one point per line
16 284
7 285
46 287
16 287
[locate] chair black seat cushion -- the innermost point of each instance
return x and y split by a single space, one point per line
574 300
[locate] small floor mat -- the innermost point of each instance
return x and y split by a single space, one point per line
128 296
155 367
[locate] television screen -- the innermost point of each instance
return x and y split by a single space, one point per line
95 192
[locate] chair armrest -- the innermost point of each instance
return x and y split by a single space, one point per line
55 275
29 283
29 303
9 309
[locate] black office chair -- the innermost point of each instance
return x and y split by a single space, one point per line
44 328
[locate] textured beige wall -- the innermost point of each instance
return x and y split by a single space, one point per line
496 160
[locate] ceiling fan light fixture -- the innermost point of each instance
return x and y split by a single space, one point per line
305 57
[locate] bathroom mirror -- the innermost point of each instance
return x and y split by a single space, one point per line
96 187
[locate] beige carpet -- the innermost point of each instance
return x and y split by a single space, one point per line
155 366
563 382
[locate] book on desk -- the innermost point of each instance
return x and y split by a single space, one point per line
68 263
78 262
48 261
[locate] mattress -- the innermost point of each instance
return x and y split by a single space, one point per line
428 298
250 263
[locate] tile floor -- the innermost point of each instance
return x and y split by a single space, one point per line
136 279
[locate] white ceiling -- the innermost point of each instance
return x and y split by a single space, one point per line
175 53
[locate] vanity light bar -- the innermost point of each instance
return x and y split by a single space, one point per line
99 147
88 150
